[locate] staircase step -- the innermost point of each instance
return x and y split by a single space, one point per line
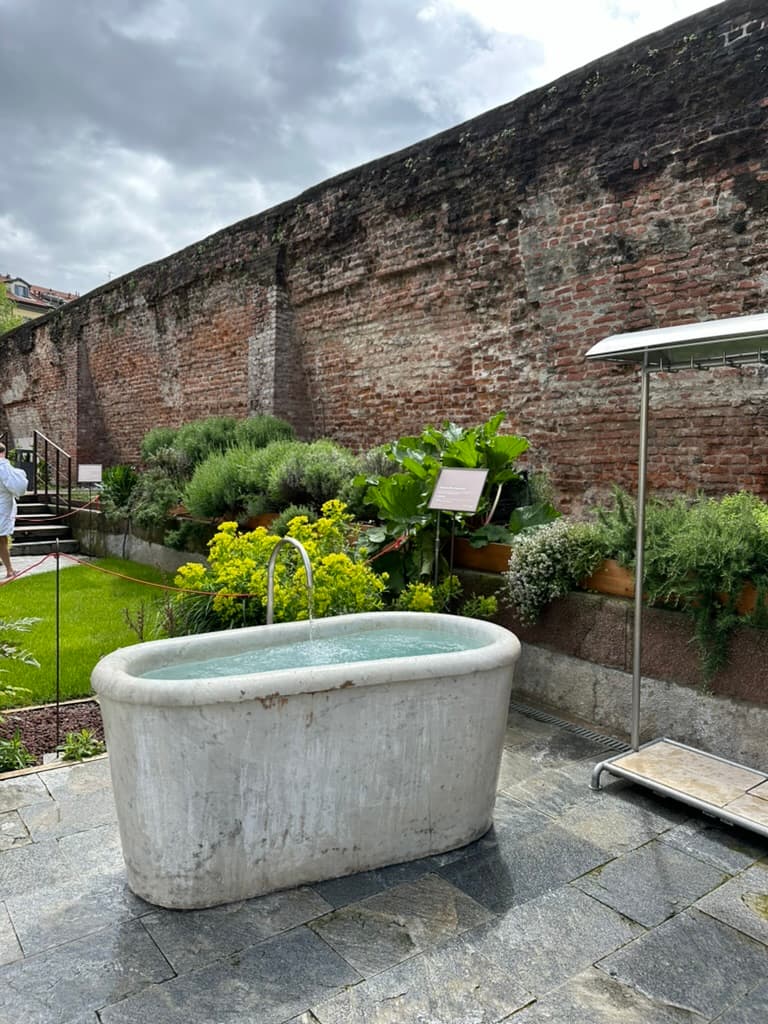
43 547
41 530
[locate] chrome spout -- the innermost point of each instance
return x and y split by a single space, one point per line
271 575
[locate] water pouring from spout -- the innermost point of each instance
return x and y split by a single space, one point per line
271 577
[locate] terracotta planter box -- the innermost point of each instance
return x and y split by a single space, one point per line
611 578
264 519
491 558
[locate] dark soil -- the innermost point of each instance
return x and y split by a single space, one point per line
38 725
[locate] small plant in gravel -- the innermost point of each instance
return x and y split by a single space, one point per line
14 754
77 746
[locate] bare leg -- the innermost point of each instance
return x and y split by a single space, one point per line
5 556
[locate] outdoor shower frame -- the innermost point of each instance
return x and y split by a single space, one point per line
736 341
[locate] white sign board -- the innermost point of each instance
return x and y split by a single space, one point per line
87 474
458 490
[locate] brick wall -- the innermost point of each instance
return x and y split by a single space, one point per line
466 274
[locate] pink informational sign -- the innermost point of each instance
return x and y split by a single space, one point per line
458 490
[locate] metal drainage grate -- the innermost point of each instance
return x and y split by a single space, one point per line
579 730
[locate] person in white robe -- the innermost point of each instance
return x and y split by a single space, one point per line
13 483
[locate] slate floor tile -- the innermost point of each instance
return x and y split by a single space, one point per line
13 831
520 819
523 867
49 917
192 938
95 852
752 1009
449 985
542 942
563 746
39 865
69 981
383 930
84 777
742 903
69 814
651 883
593 998
550 791
23 790
267 983
730 849
10 949
523 731
338 892
691 961
620 820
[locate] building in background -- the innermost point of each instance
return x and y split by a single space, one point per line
33 300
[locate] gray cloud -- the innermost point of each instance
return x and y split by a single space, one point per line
132 127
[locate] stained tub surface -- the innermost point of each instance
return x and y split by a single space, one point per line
244 782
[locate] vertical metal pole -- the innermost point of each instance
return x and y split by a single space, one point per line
637 637
58 647
437 550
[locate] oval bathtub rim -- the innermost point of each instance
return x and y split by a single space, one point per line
114 677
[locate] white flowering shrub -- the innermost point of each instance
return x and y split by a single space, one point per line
547 562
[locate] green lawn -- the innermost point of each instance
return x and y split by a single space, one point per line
92 623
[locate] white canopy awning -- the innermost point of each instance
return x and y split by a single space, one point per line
731 342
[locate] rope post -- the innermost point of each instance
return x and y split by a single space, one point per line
58 644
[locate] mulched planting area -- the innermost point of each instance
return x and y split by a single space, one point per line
38 725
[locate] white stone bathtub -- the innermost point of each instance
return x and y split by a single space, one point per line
238 785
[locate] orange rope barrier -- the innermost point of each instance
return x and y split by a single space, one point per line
64 515
22 572
147 583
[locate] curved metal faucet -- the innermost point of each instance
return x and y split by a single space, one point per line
271 575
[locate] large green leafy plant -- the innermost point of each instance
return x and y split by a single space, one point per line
403 540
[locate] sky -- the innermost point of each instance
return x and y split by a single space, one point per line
131 128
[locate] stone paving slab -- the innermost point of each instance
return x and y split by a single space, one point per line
500 930
752 1009
691 961
742 903
13 831
50 916
37 866
10 949
593 998
384 930
68 814
23 790
523 867
339 892
95 853
730 849
193 938
56 986
86 777
621 820
267 983
652 883
449 985
543 942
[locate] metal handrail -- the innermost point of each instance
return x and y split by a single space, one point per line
50 450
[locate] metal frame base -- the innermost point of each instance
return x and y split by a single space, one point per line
721 811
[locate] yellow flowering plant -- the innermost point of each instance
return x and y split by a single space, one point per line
232 589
